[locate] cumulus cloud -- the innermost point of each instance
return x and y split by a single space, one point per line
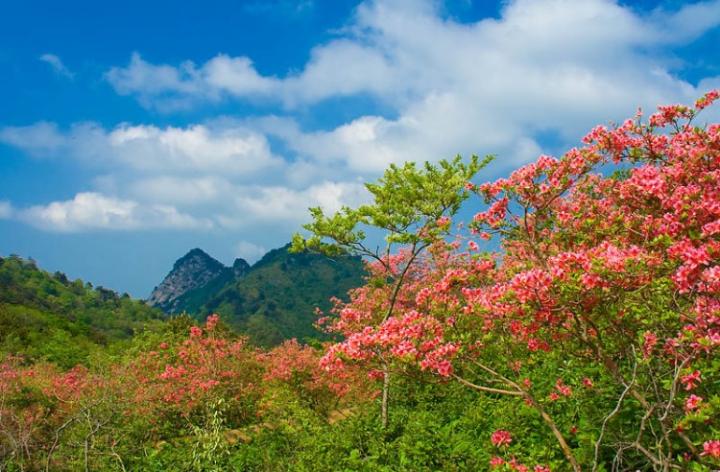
158 177
57 65
41 139
492 86
170 88
498 85
688 23
399 50
187 191
90 211
284 207
148 148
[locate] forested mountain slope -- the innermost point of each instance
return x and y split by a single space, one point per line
48 316
273 300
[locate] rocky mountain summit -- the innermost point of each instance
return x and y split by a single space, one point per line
193 271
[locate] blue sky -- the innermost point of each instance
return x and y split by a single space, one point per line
130 134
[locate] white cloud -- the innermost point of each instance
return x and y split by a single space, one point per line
688 23
89 210
184 191
6 210
249 251
57 64
169 88
148 148
151 79
284 207
541 67
236 75
342 68
493 86
440 126
193 148
399 50
179 178
40 139
557 66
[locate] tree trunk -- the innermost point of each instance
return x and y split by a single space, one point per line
558 435
385 393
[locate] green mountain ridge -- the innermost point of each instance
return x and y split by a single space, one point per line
272 300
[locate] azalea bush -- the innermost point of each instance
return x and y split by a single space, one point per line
601 311
188 399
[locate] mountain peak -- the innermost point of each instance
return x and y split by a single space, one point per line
240 267
192 271
197 254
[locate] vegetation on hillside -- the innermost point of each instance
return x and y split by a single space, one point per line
47 316
277 298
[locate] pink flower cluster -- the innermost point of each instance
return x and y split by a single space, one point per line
582 254
501 438
194 368
712 448
514 465
413 336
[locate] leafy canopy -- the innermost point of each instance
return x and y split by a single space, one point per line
409 203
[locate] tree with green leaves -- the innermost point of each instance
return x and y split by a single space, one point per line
413 206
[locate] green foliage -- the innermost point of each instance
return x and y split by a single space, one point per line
432 427
407 203
193 300
211 448
46 316
277 298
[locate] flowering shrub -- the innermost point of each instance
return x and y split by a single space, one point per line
40 405
296 366
185 378
609 264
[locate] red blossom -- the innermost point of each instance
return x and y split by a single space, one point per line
563 389
501 438
691 380
693 402
649 342
712 448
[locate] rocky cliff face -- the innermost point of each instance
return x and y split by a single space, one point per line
194 270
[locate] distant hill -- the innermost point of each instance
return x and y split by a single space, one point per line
271 301
48 316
